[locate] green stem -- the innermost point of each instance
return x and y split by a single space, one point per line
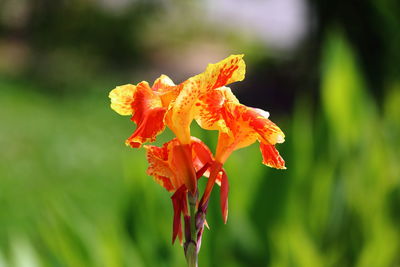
191 250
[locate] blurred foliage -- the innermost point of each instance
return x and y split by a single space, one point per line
72 194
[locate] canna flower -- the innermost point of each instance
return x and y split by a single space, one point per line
239 126
179 163
166 104
147 106
168 167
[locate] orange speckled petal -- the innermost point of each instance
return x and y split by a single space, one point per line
210 108
227 71
257 120
158 166
148 115
245 125
271 156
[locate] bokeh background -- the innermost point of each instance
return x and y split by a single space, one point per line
72 194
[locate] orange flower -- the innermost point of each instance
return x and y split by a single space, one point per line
173 105
179 163
147 106
168 167
239 126
181 114
204 98
166 103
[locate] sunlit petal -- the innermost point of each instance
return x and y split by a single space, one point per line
229 70
121 99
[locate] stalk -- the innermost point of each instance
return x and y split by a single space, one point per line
191 252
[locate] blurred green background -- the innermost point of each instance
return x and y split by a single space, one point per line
72 194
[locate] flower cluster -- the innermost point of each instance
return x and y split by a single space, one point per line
179 163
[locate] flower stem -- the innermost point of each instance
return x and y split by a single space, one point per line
191 252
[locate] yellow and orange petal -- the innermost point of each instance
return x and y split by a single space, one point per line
258 120
146 109
229 70
167 166
166 90
159 167
121 99
239 125
246 126
210 107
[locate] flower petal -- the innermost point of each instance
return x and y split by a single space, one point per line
148 114
166 90
162 84
170 167
271 156
179 203
210 108
202 156
158 166
121 99
267 130
167 161
245 125
180 162
224 196
229 70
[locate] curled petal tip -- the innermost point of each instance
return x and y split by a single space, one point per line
271 156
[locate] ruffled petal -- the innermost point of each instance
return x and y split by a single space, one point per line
168 161
148 114
146 108
271 156
164 182
229 70
158 166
